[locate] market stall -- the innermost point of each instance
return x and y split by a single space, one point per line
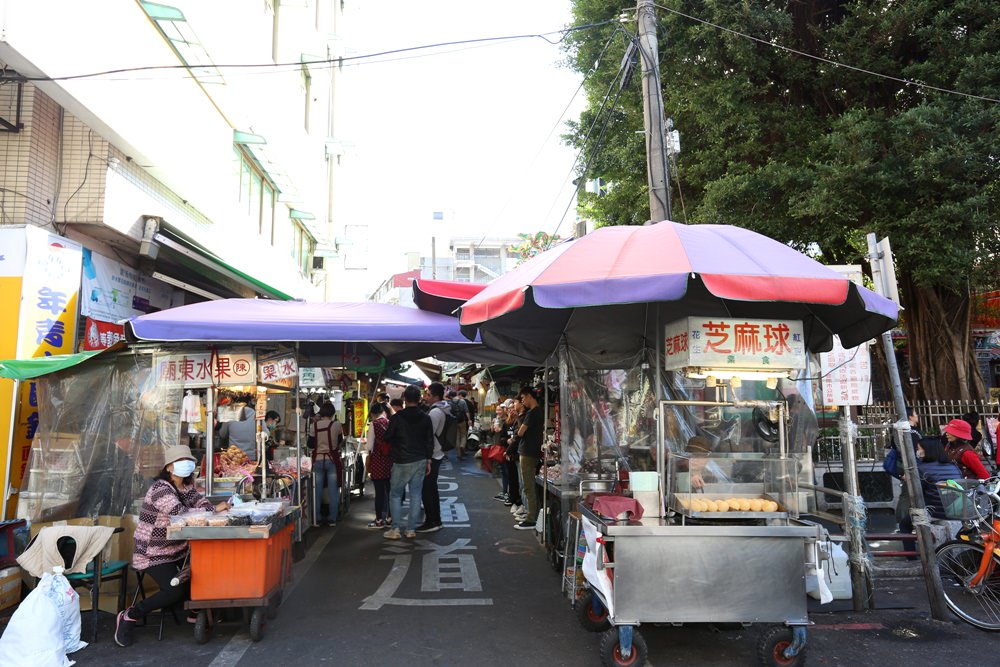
658 451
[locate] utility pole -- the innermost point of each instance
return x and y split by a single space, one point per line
657 169
925 541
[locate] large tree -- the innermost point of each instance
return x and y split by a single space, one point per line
817 154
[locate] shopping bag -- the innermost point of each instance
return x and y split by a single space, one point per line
45 627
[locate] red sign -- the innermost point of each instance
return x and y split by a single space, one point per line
99 335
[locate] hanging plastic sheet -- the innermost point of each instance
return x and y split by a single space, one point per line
103 426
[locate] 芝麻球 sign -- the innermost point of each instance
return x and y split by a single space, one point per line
734 343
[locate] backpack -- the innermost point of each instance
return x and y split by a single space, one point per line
448 437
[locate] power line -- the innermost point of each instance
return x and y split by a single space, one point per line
907 82
326 61
555 125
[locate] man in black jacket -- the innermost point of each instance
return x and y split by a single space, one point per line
411 441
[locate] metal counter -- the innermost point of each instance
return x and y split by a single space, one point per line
668 573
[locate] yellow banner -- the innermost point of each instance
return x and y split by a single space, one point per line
46 325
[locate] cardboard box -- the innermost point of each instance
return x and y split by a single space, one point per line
10 587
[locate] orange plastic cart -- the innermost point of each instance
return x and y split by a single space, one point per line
239 567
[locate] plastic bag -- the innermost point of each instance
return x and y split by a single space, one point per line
45 627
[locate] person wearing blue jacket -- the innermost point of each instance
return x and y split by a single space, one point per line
934 466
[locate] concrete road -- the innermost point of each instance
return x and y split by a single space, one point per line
479 593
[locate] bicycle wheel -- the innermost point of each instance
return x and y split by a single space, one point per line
979 606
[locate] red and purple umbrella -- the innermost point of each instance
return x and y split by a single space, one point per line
603 292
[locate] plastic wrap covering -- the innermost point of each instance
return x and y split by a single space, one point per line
102 429
609 419
609 426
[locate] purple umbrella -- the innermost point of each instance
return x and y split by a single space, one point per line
603 293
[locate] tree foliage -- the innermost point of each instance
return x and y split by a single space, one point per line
819 155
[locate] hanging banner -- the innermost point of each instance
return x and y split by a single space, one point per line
281 371
846 374
736 343
98 335
113 291
203 369
359 417
312 377
45 314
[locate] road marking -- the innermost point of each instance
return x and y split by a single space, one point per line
233 651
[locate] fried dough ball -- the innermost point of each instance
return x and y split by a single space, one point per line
756 505
770 506
723 505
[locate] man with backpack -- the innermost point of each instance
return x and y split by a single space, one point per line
460 410
440 414
411 441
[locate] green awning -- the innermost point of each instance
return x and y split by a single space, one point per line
26 369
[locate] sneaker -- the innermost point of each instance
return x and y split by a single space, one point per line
521 515
525 525
517 508
507 502
500 496
410 534
429 528
377 523
391 534
123 628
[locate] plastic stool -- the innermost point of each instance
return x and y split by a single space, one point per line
141 591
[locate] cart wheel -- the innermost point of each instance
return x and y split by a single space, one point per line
771 648
202 630
590 621
272 608
258 619
611 655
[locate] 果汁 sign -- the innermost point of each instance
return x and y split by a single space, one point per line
734 343
203 369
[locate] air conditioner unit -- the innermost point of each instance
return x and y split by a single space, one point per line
319 263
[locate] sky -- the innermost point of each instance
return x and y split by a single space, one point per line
472 131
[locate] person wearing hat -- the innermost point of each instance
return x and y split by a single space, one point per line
172 493
702 469
958 434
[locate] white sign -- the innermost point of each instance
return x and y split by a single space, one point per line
847 374
734 343
113 291
204 369
311 377
278 370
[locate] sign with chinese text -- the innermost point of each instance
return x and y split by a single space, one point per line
39 295
311 377
736 343
282 371
846 374
360 417
100 335
201 369
113 291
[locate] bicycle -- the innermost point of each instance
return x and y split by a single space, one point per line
970 564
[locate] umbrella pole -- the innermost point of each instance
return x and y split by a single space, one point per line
210 440
545 476
298 445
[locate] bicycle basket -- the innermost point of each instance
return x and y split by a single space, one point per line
960 500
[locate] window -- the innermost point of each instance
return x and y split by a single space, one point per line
257 195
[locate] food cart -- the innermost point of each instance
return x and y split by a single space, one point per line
602 302
254 541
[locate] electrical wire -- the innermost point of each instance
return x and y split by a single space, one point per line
548 136
325 61
835 63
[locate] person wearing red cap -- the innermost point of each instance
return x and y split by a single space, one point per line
958 433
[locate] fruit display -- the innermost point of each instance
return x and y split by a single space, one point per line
234 462
731 505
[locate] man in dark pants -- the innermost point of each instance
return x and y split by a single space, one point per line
431 496
529 450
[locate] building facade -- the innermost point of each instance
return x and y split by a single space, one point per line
176 152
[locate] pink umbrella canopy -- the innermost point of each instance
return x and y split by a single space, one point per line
603 292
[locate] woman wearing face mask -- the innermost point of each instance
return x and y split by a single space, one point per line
172 493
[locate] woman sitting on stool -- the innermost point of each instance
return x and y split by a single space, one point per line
171 494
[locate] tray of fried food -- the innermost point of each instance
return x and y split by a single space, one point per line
723 506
